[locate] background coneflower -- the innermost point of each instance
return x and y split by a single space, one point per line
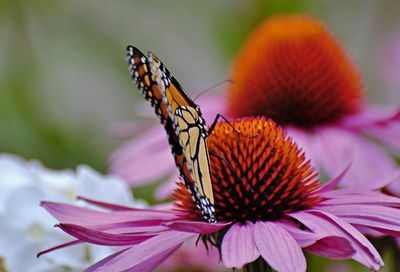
293 70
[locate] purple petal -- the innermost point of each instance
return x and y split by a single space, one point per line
330 225
317 243
109 206
71 243
358 196
393 183
238 246
166 189
135 160
334 182
152 263
147 265
332 247
387 134
368 231
145 256
196 227
278 248
371 115
384 219
98 266
303 238
386 129
71 214
103 238
336 146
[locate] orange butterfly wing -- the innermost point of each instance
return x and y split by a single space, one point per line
140 71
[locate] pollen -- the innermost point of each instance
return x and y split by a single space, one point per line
257 173
293 70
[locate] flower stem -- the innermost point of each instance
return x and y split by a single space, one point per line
257 266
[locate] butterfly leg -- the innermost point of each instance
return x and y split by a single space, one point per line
215 122
217 117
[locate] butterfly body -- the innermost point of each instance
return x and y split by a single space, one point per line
183 122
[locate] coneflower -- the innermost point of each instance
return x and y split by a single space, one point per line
269 205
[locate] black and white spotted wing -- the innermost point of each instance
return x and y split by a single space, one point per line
166 96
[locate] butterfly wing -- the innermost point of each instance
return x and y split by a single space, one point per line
140 71
191 129
167 97
193 141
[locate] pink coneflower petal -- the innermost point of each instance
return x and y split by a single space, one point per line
370 162
238 247
321 222
384 219
70 243
108 206
135 160
147 255
196 227
98 266
371 115
332 247
71 214
352 196
304 238
103 238
278 247
329 186
166 189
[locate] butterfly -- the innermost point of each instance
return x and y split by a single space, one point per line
183 121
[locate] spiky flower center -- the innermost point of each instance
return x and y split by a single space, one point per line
257 172
291 69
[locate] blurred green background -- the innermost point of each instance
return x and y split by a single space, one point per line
64 82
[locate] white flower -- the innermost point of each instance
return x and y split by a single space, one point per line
27 229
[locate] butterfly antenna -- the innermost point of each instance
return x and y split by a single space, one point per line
212 87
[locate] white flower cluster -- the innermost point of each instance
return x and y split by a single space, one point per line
27 229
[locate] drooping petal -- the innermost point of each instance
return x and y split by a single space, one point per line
325 223
146 255
358 196
71 243
332 247
394 183
238 246
384 219
103 238
71 214
335 181
109 206
279 249
303 238
196 227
